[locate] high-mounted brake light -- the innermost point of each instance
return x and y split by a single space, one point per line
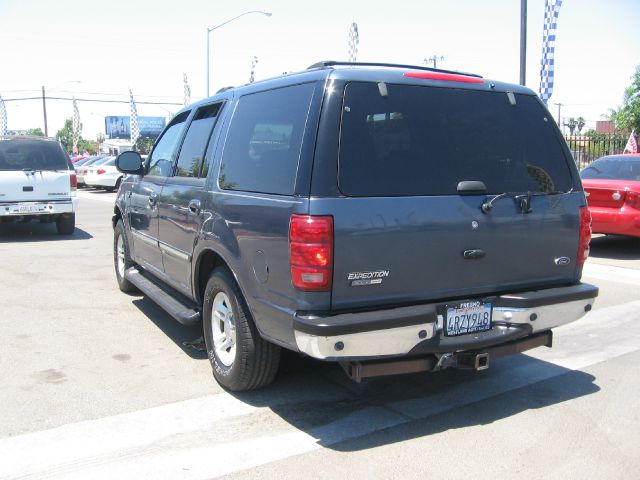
447 77
311 252
585 235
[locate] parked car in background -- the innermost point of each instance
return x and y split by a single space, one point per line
37 181
83 161
105 175
82 170
612 186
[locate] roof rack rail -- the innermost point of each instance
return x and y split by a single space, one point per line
331 63
224 89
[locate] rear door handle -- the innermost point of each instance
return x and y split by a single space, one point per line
195 207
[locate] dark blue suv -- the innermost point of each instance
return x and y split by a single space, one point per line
391 218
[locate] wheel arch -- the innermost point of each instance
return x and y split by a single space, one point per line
207 262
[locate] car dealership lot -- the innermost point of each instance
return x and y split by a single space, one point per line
99 384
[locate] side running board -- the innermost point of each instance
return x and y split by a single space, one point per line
184 314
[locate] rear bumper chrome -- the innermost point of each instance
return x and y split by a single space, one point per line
52 207
419 330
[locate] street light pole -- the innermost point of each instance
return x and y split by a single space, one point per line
209 30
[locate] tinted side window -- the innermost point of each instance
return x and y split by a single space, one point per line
161 159
196 140
425 140
263 145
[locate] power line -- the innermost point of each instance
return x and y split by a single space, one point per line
95 100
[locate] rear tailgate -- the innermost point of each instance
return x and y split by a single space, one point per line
405 231
407 250
31 186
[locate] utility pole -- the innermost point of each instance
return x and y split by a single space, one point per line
559 107
523 42
433 60
44 112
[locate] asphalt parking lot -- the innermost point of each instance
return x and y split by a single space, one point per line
101 384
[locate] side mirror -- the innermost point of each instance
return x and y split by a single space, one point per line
130 162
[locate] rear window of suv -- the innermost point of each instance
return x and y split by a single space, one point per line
404 140
20 154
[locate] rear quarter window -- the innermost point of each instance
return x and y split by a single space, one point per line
262 148
425 140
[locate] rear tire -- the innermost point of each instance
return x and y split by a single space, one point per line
121 259
240 358
66 223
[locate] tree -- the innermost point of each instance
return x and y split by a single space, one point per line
572 123
65 137
627 117
144 144
36 132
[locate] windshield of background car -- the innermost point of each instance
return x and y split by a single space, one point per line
424 141
32 155
613 168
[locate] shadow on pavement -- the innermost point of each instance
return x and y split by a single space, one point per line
615 247
420 404
20 232
318 399
181 335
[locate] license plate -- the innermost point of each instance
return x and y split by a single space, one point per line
467 317
27 208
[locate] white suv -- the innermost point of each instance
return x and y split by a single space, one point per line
37 181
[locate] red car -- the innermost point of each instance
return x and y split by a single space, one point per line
612 186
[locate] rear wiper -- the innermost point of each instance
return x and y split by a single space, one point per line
523 199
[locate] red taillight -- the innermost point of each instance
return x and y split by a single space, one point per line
585 235
73 181
447 77
101 171
632 199
311 252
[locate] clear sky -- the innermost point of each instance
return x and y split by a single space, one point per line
101 49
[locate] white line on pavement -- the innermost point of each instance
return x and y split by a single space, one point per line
611 274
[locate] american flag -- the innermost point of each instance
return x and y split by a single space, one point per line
551 12
354 41
133 121
632 143
75 134
3 118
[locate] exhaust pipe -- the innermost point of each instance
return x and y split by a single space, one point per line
482 361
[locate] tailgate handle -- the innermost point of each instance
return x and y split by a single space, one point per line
27 189
473 254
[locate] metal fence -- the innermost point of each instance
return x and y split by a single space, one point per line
586 149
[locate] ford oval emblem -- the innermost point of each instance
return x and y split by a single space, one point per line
562 261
